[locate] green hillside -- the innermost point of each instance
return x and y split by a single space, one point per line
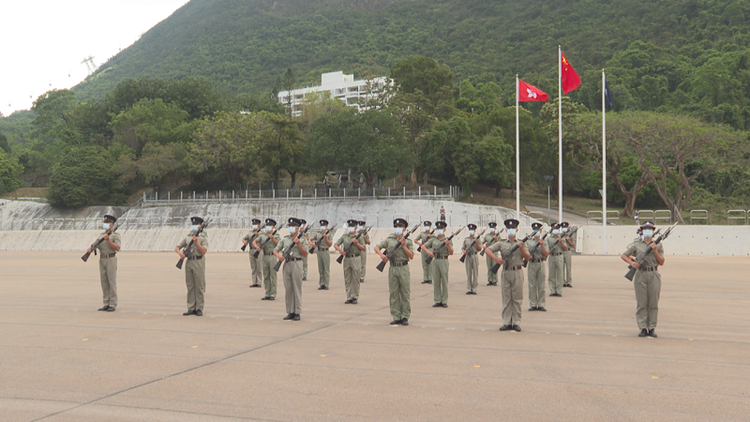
680 55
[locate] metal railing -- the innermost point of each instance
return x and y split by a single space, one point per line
662 215
737 215
697 216
594 216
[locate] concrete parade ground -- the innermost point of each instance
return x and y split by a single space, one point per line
61 360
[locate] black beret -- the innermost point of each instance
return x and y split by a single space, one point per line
472 226
323 222
109 218
270 222
196 220
511 223
294 221
351 223
492 224
303 221
362 223
256 221
556 226
400 222
536 226
427 223
648 224
564 224
441 224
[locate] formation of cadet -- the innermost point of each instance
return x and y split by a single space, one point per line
555 245
350 247
538 251
195 269
401 250
365 238
264 245
291 250
647 280
420 241
108 264
567 255
470 248
490 239
439 247
256 265
321 246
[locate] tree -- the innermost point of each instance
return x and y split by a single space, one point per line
151 121
83 176
54 117
281 146
9 172
159 162
452 152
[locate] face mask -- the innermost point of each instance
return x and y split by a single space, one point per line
194 227
439 232
269 229
350 229
360 227
565 229
648 233
492 230
398 230
105 226
426 229
255 227
292 230
511 232
471 232
322 228
555 232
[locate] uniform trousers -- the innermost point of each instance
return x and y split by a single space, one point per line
352 269
195 280
568 264
491 277
256 268
324 267
293 285
537 293
647 290
440 280
555 276
269 275
399 289
426 268
512 286
472 272
363 258
108 278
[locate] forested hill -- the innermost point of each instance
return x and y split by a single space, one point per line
676 55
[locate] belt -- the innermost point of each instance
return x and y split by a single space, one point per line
399 264
192 258
537 260
321 249
556 254
111 255
648 268
441 257
352 256
507 268
293 259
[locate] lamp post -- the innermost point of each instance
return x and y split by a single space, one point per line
549 180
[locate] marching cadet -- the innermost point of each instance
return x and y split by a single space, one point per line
265 244
292 267
349 246
321 244
363 256
512 277
108 264
567 255
538 252
304 258
647 280
490 239
195 269
399 278
256 265
440 248
420 241
471 247
555 246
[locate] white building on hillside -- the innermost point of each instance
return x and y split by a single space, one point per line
341 86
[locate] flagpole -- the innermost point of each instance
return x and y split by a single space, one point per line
559 115
604 165
518 160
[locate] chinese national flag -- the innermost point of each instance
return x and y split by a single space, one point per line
528 92
570 79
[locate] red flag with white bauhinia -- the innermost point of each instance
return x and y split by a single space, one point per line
528 92
570 79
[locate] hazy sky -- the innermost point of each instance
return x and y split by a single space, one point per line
42 42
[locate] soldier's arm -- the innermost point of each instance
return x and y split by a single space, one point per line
571 243
200 247
525 253
659 257
300 247
449 246
255 244
489 252
112 244
276 239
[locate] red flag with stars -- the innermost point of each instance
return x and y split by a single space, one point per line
528 92
570 79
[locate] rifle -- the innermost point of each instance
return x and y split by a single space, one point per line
390 253
187 249
98 242
419 249
643 255
498 234
248 242
340 259
255 255
532 250
429 258
312 248
463 257
288 251
508 254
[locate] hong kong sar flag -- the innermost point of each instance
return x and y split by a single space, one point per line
528 92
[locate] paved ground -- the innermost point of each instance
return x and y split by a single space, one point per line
61 360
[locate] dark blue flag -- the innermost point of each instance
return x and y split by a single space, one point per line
608 93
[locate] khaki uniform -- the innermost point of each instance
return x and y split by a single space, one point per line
440 268
108 270
195 272
511 281
471 263
324 259
554 265
568 265
363 255
489 240
352 265
537 291
426 268
256 265
292 270
399 277
268 261
647 283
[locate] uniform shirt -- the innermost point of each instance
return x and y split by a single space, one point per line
536 254
251 236
470 246
504 246
489 239
320 241
391 242
423 238
269 247
639 247
194 252
105 248
437 246
294 252
553 240
345 241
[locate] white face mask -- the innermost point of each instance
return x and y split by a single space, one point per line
511 232
322 228
492 230
648 233
350 229
255 227
398 230
555 232
194 227
292 229
439 232
269 229
105 226
471 232
426 229
360 227
565 229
